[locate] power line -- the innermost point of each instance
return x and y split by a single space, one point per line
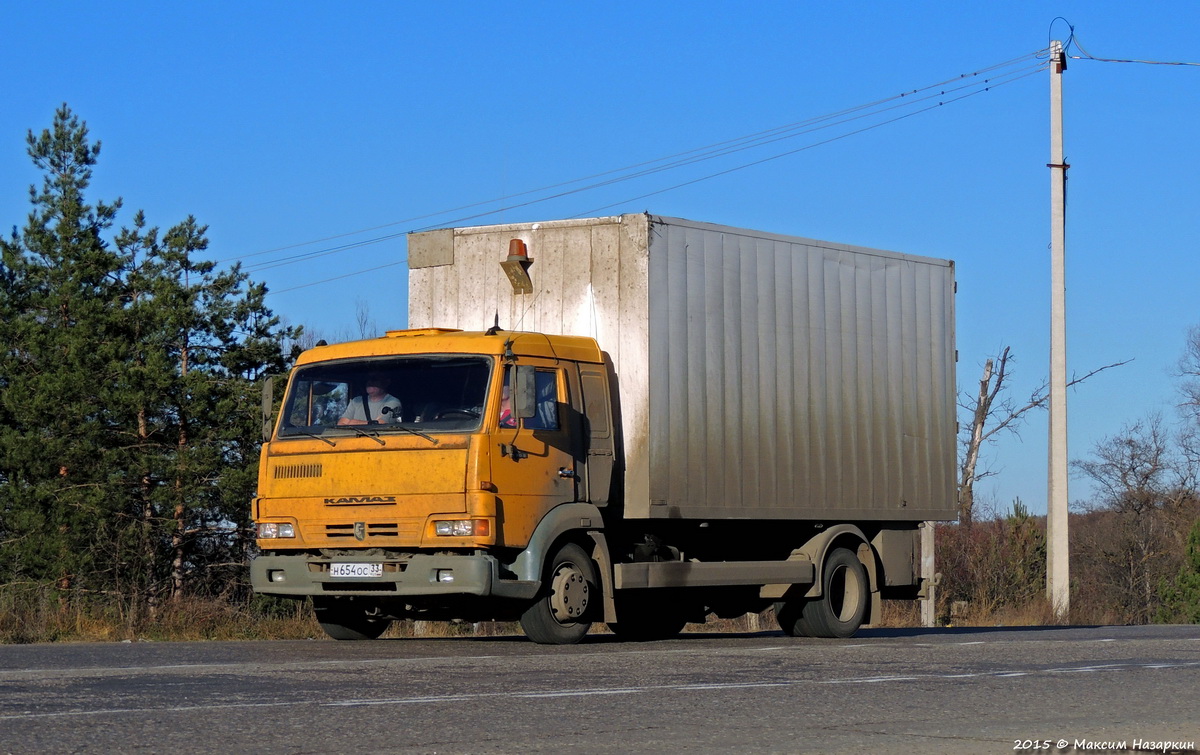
1072 39
694 156
737 140
339 277
731 150
1089 56
809 146
308 256
992 85
663 163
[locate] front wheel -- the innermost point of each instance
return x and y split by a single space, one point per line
343 619
840 610
562 613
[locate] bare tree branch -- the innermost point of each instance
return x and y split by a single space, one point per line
992 413
1040 397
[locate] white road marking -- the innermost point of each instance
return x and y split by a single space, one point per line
874 680
1086 669
883 643
786 647
741 685
535 694
399 700
242 664
579 693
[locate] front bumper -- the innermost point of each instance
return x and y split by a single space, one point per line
299 575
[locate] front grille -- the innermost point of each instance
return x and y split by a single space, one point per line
298 471
372 529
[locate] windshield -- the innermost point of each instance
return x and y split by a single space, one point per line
430 393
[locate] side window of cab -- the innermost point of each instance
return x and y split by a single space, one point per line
546 390
546 397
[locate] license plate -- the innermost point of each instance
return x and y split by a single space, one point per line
351 571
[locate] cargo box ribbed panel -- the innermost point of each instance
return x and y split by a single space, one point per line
791 376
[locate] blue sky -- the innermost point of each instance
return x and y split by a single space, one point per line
283 123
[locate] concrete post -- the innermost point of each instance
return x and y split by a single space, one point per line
1058 577
928 573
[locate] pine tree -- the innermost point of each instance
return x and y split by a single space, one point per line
127 393
61 340
1181 595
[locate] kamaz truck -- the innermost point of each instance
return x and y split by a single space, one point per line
635 420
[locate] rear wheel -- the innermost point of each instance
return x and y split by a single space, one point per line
840 610
562 614
344 619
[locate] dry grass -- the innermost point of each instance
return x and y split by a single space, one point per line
1036 612
898 614
213 620
27 617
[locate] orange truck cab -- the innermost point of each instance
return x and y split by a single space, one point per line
427 473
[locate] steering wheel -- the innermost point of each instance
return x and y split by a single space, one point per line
457 413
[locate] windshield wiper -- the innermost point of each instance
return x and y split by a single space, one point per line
415 431
313 435
373 436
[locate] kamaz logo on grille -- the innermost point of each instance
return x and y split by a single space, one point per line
362 499
360 530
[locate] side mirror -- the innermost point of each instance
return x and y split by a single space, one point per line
524 393
268 402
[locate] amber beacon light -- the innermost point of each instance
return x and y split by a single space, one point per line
517 267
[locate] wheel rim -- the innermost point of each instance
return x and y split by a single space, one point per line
569 594
845 593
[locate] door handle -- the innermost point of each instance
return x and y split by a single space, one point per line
566 473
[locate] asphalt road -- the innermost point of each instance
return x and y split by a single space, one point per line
959 691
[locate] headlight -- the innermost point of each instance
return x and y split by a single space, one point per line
269 530
462 528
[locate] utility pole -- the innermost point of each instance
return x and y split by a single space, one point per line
1058 568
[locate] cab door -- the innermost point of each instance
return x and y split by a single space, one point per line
598 432
534 464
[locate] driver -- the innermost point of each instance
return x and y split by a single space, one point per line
507 418
375 407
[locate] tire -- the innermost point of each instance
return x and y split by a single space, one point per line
345 620
562 613
645 616
840 610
